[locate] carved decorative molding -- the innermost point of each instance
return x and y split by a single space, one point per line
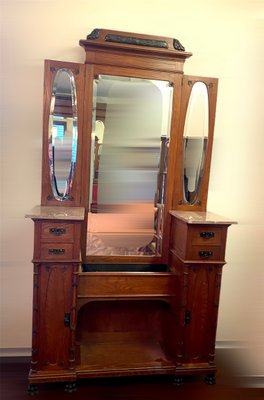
94 34
208 85
177 45
136 41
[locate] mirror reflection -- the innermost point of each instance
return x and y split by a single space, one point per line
130 139
62 134
195 141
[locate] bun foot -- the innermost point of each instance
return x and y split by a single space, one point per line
32 390
210 379
177 380
70 387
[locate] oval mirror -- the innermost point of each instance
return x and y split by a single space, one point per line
195 140
63 134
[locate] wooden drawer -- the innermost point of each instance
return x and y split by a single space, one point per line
97 284
204 253
57 232
56 251
198 242
205 235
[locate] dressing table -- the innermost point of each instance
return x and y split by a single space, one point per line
127 260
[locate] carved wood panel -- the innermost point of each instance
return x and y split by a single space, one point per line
54 311
203 290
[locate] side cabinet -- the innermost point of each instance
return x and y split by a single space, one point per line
197 257
53 303
56 265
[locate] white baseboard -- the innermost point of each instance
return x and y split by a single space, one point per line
254 381
15 352
26 351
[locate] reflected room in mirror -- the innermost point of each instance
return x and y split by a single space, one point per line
129 151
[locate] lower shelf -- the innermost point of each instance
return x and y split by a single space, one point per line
113 354
123 353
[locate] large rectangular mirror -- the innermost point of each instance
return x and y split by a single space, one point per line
129 151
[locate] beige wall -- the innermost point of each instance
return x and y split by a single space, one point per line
226 37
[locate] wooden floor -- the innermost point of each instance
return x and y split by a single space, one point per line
228 387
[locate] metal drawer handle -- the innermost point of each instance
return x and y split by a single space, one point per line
57 231
207 235
57 252
205 254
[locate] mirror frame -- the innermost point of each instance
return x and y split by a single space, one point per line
47 196
175 81
140 61
198 99
178 199
119 56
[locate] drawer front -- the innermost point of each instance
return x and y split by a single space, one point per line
95 284
56 251
57 232
205 235
205 253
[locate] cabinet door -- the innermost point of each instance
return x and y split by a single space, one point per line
203 288
53 308
62 133
195 139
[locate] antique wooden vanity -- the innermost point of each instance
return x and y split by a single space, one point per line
127 261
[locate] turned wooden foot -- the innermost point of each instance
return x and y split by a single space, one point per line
177 380
32 390
210 379
70 387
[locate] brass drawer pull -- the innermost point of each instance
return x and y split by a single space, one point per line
207 235
57 231
205 254
57 252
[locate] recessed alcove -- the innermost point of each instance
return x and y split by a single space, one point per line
116 334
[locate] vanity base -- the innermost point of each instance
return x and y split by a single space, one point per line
86 372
